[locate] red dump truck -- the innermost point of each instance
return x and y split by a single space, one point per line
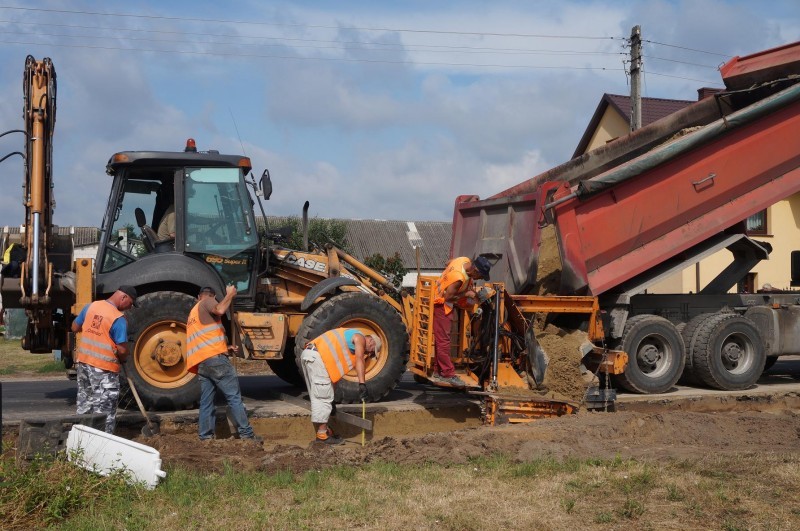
650 204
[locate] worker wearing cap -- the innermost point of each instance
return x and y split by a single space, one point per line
101 351
453 287
207 356
324 361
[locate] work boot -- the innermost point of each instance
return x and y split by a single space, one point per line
328 439
256 438
454 380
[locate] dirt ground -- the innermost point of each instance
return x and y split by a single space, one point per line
670 434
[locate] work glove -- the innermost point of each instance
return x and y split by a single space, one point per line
362 392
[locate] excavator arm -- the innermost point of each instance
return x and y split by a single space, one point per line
31 283
40 118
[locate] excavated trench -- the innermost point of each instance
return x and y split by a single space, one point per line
298 430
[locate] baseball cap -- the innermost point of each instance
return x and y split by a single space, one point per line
130 291
483 266
207 289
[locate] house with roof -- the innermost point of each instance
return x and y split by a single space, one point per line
778 225
367 237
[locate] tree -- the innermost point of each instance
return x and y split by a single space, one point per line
320 232
392 268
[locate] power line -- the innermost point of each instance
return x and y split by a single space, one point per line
343 45
297 39
314 26
705 81
689 49
302 58
681 62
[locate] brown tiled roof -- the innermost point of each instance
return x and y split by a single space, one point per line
652 109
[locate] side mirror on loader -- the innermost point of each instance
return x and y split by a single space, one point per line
265 185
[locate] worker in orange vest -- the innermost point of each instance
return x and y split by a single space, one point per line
207 356
453 288
101 351
324 361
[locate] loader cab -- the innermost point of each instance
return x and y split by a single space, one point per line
192 204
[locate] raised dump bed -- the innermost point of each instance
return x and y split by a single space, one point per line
645 207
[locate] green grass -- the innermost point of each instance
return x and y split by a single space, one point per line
493 492
17 362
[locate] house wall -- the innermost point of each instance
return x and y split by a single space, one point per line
611 126
783 225
88 251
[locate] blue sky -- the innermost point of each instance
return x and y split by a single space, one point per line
370 110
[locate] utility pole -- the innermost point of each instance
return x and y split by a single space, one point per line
636 78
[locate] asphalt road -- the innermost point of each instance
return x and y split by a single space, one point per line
55 398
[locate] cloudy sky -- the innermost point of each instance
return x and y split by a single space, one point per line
370 110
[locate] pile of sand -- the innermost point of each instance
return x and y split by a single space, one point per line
563 379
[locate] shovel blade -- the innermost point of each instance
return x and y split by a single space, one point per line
151 429
539 362
537 358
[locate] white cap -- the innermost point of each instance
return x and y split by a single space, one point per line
377 341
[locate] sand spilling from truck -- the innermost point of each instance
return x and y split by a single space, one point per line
563 380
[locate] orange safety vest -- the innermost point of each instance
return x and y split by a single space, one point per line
96 348
203 341
335 353
451 274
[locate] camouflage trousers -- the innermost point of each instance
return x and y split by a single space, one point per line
98 392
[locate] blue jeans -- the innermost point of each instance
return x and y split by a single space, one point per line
215 374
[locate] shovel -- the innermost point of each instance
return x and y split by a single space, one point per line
149 429
537 357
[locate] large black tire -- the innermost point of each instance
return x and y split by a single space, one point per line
689 335
656 355
157 359
729 352
373 316
287 369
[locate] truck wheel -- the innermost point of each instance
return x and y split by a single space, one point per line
287 369
729 352
372 316
157 359
656 355
689 335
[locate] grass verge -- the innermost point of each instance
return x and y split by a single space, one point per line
17 362
712 493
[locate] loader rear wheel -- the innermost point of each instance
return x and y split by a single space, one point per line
157 359
371 315
729 352
656 355
287 369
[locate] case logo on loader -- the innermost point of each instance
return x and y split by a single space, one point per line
307 263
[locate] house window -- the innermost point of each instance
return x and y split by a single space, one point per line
747 284
757 223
